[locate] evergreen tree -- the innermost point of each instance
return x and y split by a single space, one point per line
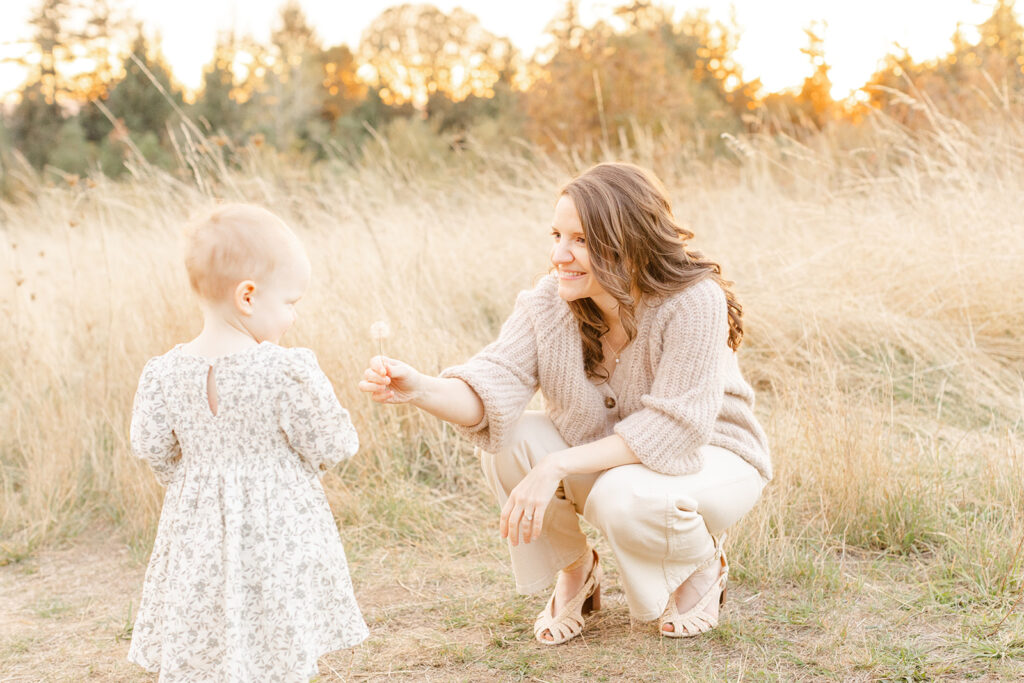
106 36
289 103
51 44
216 107
71 151
34 124
38 116
144 106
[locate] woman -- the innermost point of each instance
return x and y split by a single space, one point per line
648 432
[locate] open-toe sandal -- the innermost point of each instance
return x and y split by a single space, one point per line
696 620
568 623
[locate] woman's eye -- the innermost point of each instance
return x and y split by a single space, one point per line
581 240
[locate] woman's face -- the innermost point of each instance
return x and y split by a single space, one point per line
569 254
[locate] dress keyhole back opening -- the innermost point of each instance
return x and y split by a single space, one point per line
211 391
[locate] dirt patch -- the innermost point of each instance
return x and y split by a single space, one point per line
446 611
68 613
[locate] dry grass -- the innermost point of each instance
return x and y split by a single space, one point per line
885 337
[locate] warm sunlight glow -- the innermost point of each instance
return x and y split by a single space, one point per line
857 35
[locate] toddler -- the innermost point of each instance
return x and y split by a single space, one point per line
248 579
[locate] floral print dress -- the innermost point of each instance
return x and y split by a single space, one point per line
248 579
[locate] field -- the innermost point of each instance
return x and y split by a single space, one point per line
885 337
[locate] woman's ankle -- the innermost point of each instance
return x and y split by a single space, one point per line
583 561
698 582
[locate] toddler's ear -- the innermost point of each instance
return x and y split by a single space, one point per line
244 296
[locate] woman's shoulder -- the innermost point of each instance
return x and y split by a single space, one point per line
544 292
705 293
543 296
704 298
542 303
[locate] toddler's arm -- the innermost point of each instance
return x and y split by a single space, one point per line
317 427
151 435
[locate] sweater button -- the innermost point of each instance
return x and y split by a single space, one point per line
609 402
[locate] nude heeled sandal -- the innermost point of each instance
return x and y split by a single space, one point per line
568 623
695 620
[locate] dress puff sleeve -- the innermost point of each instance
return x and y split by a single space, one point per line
151 436
504 375
315 424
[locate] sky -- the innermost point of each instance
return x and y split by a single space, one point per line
858 33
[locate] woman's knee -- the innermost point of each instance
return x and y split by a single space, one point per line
532 437
534 429
733 503
623 508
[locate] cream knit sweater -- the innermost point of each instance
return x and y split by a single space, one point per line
684 387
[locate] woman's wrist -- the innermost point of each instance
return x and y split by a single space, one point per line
560 462
420 390
596 456
448 398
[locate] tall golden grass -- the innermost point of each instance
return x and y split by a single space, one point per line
881 287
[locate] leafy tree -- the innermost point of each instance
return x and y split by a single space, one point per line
342 89
1002 34
967 82
504 112
817 88
417 50
640 71
812 107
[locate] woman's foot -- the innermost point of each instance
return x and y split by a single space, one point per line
693 606
577 593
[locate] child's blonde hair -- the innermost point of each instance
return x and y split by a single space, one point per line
233 243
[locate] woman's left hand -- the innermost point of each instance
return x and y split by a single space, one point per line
524 509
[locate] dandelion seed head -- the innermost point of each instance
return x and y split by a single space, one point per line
380 330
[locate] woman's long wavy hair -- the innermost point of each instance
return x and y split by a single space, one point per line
636 248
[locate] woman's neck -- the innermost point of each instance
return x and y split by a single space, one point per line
609 307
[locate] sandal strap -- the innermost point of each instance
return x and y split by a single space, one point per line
569 621
696 620
692 624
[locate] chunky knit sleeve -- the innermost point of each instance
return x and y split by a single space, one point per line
504 375
680 410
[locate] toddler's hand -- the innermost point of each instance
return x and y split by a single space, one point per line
390 381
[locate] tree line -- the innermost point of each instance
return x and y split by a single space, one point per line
641 72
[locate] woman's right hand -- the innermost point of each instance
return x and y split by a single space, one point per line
390 381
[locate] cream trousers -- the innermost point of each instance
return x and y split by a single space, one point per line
660 527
